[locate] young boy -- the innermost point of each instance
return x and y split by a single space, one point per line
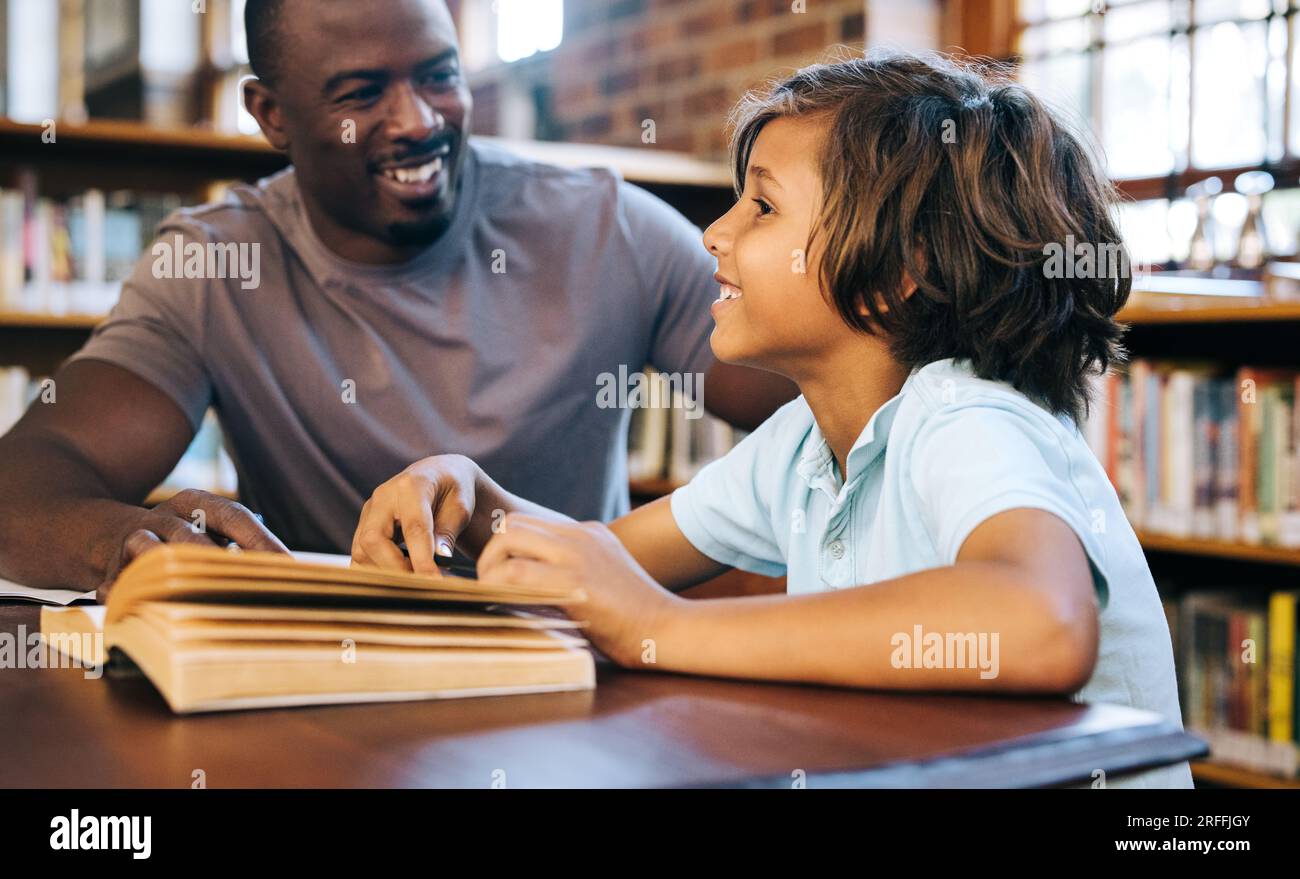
929 497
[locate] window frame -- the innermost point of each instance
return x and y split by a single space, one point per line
1285 169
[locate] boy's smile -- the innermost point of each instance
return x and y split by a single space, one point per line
727 293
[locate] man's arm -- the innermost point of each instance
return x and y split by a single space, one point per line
744 397
74 471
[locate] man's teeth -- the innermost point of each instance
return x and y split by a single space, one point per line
729 292
422 174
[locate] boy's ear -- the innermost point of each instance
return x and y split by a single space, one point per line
909 287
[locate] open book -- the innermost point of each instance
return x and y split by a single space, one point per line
216 630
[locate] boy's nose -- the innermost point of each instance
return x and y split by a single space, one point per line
717 240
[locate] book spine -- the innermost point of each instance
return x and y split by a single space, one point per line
1248 438
1281 665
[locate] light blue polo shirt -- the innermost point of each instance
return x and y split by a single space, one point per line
948 452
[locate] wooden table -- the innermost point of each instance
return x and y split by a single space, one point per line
636 729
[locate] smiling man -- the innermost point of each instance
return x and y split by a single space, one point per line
419 294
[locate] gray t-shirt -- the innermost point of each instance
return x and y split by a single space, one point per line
489 344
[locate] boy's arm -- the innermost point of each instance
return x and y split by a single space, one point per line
653 539
1021 580
1021 586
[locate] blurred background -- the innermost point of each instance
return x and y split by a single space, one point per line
115 112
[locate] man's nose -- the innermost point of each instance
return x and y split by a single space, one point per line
411 117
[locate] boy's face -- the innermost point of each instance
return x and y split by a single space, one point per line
771 312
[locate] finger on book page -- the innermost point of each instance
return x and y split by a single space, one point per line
238 524
418 533
523 538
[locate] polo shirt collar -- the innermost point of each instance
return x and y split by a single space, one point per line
816 465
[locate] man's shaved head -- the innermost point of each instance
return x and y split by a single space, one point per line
263 20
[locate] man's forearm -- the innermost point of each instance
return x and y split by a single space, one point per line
867 636
61 525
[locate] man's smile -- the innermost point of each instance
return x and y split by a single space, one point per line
414 178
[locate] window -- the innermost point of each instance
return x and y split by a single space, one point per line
526 27
503 31
1175 91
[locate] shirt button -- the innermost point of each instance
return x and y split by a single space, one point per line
837 549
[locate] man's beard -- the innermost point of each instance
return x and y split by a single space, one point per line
419 234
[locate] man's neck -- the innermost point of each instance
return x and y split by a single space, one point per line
357 247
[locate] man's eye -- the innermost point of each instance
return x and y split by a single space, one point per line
763 207
442 77
369 93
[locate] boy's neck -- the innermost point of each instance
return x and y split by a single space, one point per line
844 392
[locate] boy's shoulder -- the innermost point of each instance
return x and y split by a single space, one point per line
949 391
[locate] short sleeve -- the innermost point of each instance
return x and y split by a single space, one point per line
676 272
727 511
971 463
156 329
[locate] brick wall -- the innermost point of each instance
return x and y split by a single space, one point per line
680 63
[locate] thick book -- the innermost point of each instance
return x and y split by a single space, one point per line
217 630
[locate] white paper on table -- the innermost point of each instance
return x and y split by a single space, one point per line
62 597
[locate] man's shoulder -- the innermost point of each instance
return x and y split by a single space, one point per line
244 212
513 181
502 168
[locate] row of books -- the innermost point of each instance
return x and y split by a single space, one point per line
1198 451
69 256
205 463
674 439
1238 676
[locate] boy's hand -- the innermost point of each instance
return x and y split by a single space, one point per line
624 607
428 505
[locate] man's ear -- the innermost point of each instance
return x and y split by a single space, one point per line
263 105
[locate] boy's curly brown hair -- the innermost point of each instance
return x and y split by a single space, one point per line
962 182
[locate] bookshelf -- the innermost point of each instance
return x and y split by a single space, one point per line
1222 775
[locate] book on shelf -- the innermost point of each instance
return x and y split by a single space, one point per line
215 630
1238 676
70 256
1199 451
672 436
17 391
205 464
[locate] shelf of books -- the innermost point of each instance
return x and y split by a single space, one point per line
1200 432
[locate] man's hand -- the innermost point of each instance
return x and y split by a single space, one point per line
624 607
191 516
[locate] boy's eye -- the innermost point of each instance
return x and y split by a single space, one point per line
763 207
